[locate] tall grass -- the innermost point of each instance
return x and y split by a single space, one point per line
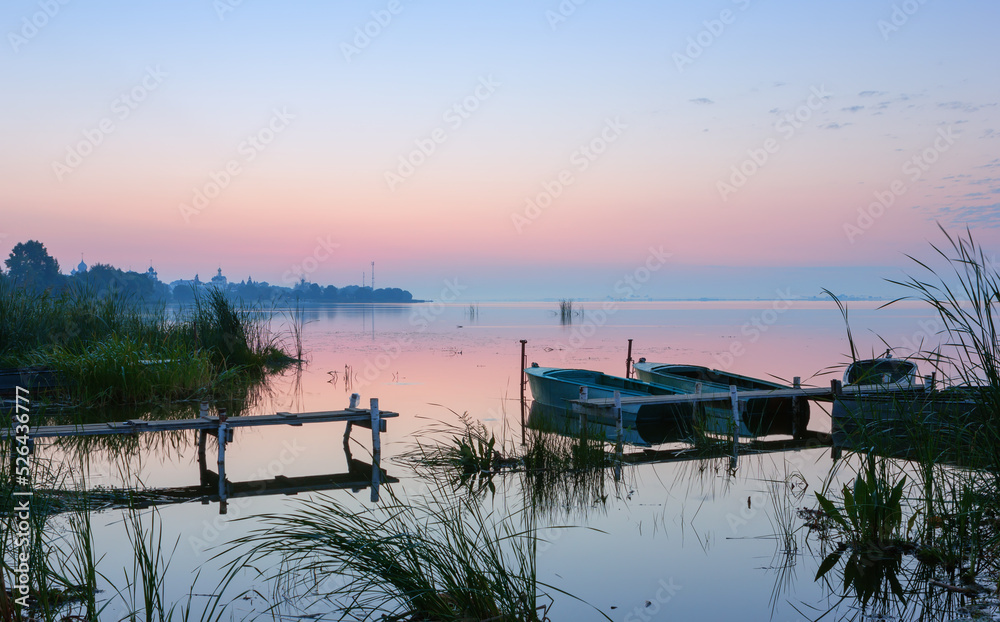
561 472
66 575
114 349
565 311
951 436
437 558
967 301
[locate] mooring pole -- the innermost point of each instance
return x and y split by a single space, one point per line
628 361
376 448
524 381
797 428
220 435
202 464
837 389
734 398
618 434
350 424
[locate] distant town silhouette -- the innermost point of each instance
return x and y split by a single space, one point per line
30 265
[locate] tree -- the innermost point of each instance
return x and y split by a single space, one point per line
30 265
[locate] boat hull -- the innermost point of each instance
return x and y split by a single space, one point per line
558 388
762 416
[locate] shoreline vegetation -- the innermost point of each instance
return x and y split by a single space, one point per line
924 503
116 350
30 266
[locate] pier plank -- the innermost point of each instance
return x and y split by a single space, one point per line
359 416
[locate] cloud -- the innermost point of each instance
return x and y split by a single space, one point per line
834 126
978 215
701 101
853 108
957 105
871 93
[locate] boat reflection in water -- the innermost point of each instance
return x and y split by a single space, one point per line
642 432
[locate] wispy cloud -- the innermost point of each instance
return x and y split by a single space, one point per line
977 215
701 101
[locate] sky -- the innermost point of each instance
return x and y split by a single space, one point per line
521 150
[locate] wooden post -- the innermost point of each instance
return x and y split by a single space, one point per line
583 409
628 361
202 463
735 400
524 381
837 388
797 427
376 426
203 411
696 410
618 424
350 424
220 435
376 449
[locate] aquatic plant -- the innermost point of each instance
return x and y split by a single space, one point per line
566 311
115 349
434 558
872 512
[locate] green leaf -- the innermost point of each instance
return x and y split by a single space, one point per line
831 510
828 563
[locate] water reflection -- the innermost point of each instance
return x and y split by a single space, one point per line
680 515
890 584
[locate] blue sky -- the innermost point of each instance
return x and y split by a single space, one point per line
891 97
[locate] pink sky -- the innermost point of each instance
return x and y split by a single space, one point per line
592 117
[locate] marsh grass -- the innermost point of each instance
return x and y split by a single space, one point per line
66 575
561 472
950 438
115 349
437 557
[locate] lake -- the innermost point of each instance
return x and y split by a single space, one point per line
688 539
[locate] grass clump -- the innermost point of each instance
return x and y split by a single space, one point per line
114 349
872 511
118 369
438 558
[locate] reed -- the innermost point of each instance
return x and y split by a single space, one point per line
114 349
953 446
566 311
433 558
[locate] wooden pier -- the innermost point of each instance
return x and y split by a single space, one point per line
221 427
822 394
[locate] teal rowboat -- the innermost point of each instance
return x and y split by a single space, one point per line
762 415
557 388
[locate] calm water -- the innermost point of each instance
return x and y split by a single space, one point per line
682 540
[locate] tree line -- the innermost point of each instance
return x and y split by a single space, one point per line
30 266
